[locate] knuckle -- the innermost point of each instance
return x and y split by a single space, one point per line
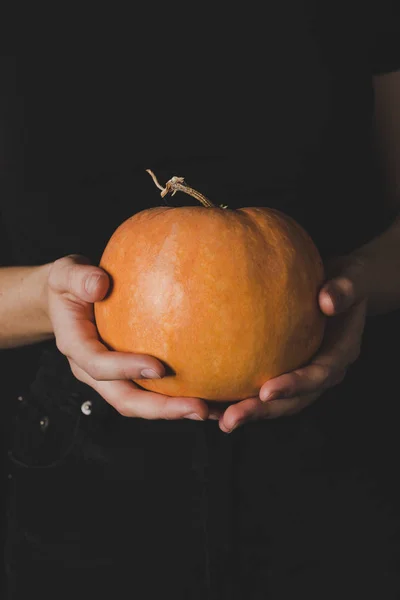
333 376
65 261
76 258
123 408
126 373
62 346
60 262
76 372
73 279
52 274
164 412
327 376
349 286
95 370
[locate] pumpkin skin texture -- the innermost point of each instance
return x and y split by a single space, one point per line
226 299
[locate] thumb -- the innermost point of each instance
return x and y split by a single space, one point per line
337 295
344 289
74 275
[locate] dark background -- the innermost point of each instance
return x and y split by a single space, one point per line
372 424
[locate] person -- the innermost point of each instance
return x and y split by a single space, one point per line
115 491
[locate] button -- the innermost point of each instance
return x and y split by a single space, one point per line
86 408
20 398
44 423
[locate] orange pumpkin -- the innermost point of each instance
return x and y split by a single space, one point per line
226 299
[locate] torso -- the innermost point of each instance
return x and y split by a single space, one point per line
279 117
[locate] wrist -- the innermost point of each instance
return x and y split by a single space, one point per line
378 280
42 274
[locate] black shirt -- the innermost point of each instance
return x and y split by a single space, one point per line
275 113
272 109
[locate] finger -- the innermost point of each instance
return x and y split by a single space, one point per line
345 288
214 414
130 401
341 347
241 412
77 338
315 377
253 409
216 409
289 406
73 275
345 330
337 295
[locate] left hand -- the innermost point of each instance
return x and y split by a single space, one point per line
343 299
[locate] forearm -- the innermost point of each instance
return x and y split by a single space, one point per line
23 306
381 257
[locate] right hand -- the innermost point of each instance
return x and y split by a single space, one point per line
73 286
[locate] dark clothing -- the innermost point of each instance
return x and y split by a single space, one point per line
101 505
284 122
105 506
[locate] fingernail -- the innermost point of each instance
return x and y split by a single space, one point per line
337 298
235 426
91 283
150 374
194 417
268 396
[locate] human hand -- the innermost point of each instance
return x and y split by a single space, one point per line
343 299
73 287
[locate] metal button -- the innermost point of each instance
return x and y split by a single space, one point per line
20 398
86 407
44 423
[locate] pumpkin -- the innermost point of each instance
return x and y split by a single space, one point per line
226 299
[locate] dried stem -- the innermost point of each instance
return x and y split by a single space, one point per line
177 184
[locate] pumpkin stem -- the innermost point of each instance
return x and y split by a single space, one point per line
177 184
